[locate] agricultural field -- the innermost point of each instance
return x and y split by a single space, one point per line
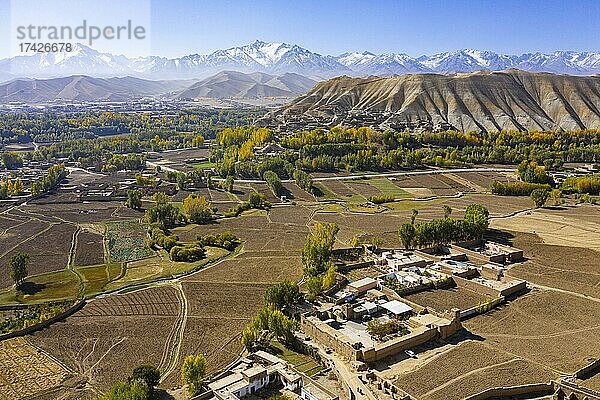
24 370
144 308
467 369
446 299
562 247
555 329
90 248
108 337
127 241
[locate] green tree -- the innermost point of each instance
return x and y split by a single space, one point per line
134 199
193 370
3 191
283 295
147 373
407 235
15 187
166 215
228 183
314 287
18 267
413 217
539 197
160 198
197 209
477 216
250 337
329 277
376 242
257 200
12 160
133 390
556 195
531 172
316 254
274 183
447 211
355 242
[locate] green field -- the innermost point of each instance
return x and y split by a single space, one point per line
388 188
127 241
301 362
57 285
96 278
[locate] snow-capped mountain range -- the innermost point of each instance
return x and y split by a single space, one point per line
279 58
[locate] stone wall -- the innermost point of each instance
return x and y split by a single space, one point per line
541 389
588 370
476 286
397 345
326 336
572 391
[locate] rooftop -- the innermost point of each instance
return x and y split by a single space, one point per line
362 283
396 307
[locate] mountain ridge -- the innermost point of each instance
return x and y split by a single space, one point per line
224 85
479 101
279 58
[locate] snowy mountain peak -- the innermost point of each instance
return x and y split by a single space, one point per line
280 58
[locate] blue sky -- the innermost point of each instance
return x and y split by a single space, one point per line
180 27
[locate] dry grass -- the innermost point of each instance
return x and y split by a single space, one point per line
25 371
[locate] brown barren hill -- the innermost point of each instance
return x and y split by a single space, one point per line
479 101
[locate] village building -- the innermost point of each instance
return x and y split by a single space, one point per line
260 370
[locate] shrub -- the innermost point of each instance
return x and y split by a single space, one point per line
380 199
187 253
380 329
225 240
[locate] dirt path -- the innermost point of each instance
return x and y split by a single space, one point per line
71 260
169 361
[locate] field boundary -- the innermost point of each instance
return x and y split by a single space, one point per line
34 328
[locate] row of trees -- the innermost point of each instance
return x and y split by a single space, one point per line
225 240
445 230
11 160
50 180
256 200
531 172
182 128
195 209
589 184
518 188
45 183
10 187
274 183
